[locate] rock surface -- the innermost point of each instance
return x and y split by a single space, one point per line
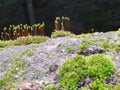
49 56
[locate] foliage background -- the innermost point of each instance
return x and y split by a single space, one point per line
101 15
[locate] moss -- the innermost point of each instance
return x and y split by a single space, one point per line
85 35
118 32
97 66
61 34
117 86
100 85
23 41
51 87
28 52
84 88
71 72
46 53
86 44
102 43
5 44
70 48
11 79
106 44
30 40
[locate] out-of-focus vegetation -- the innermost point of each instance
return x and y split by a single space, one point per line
62 23
23 41
61 34
13 32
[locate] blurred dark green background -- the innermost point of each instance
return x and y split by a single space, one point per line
101 15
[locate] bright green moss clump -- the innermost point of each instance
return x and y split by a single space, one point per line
72 71
97 67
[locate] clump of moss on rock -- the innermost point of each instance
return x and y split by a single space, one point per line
75 70
61 34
